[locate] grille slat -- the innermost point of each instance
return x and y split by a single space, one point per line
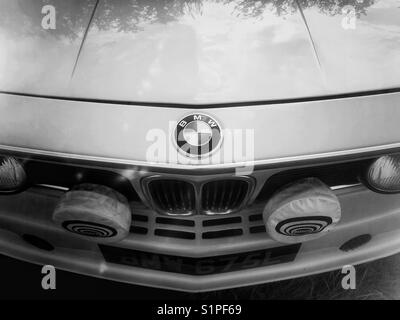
222 233
138 230
160 196
255 217
191 198
175 222
229 197
258 229
214 195
243 190
175 234
139 218
191 228
181 194
167 195
176 199
221 200
221 222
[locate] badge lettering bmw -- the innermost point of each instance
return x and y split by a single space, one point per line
197 135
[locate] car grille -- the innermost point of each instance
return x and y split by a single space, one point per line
178 197
173 197
223 196
197 227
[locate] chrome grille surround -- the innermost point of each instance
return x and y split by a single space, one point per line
181 197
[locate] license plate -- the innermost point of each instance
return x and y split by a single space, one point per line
200 266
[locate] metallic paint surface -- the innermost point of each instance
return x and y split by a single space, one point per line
124 133
199 52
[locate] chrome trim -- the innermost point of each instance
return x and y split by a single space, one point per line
50 186
194 106
346 186
387 148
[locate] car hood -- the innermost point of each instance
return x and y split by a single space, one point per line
199 51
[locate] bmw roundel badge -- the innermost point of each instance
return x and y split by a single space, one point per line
197 135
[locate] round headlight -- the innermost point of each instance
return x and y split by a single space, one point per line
301 211
12 175
384 174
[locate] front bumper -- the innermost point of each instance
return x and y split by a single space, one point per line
364 212
114 137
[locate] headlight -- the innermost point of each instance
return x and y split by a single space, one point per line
384 174
301 211
12 175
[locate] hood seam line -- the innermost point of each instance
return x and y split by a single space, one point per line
84 38
309 34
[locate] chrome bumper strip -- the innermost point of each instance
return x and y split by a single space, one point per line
350 154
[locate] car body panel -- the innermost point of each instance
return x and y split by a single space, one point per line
143 135
200 52
362 56
36 60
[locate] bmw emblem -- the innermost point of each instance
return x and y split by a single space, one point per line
197 135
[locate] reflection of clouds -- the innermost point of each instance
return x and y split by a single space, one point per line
205 55
384 17
366 58
228 45
24 17
35 64
388 4
199 51
135 15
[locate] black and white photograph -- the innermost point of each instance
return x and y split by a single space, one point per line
199 155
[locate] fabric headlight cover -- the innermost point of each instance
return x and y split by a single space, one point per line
302 211
94 212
